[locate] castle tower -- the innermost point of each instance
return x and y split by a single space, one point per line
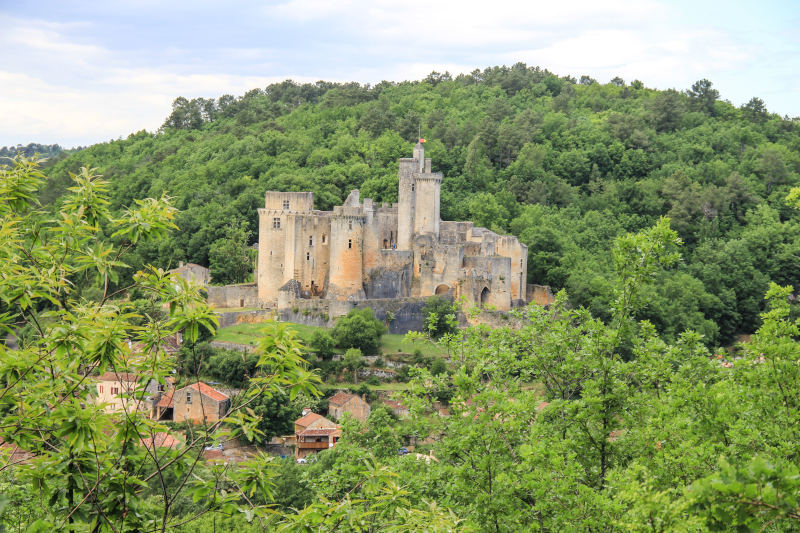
406 197
428 195
346 255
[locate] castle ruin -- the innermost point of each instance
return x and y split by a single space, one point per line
364 251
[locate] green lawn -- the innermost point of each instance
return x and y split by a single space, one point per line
390 343
382 387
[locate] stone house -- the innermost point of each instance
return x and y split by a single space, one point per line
192 272
314 433
198 402
116 390
399 410
343 402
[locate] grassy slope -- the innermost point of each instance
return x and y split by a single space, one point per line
390 343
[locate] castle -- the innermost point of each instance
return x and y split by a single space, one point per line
364 251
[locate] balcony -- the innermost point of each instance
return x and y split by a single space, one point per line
313 445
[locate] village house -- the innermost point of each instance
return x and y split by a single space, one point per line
314 433
343 402
399 410
198 402
116 392
192 273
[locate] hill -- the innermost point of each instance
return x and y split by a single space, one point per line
565 164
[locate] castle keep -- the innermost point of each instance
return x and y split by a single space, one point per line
364 251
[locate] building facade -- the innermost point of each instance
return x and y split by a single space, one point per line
343 402
362 250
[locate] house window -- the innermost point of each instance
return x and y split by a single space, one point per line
161 388
188 397
286 204
276 223
349 243
115 391
311 241
101 389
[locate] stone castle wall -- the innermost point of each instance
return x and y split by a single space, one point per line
233 296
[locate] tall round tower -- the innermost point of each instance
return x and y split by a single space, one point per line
346 266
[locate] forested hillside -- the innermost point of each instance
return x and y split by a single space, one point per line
566 165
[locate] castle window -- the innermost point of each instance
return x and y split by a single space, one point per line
308 256
520 263
385 243
350 225
311 241
412 187
286 204
276 223
323 238
349 243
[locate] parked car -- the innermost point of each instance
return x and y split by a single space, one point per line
219 447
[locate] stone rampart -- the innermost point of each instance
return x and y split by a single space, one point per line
233 296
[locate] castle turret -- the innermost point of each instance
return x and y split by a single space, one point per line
346 258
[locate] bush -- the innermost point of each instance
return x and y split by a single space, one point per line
441 316
359 329
322 344
374 381
438 366
231 367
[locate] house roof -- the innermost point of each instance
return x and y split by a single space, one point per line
122 377
304 421
395 405
161 440
167 400
341 398
208 390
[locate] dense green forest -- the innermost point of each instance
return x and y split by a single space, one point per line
565 164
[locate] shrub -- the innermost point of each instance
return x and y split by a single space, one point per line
359 329
374 381
322 344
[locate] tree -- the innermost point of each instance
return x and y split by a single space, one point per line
755 110
359 329
322 344
441 316
702 96
88 464
230 258
353 360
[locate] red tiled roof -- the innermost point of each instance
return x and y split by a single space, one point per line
166 401
393 404
340 398
208 390
308 419
161 440
123 377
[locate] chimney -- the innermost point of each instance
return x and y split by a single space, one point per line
306 410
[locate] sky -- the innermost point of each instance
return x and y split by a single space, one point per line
77 73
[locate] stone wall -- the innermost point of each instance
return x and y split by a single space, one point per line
407 312
233 296
244 317
541 294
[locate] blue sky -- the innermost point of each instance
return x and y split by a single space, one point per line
76 72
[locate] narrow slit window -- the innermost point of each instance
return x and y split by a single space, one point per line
349 243
311 241
323 238
308 256
412 187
